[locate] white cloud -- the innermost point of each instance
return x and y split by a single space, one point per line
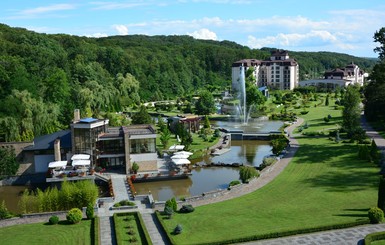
204 34
46 9
97 35
121 29
309 39
116 5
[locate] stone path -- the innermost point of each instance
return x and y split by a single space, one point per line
349 236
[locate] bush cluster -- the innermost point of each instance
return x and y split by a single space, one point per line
234 182
74 216
376 215
124 203
53 220
186 209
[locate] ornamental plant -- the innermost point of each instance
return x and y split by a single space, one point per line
376 215
53 220
90 213
74 216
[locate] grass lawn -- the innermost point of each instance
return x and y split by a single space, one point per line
325 184
127 230
43 233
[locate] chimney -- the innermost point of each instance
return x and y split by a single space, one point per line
76 115
56 149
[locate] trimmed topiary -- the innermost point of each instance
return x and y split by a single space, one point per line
187 209
90 211
376 215
74 216
53 220
178 229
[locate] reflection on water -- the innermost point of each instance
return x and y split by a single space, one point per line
11 196
202 180
250 152
254 125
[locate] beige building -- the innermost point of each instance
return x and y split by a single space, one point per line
279 71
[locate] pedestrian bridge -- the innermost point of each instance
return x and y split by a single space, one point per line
242 135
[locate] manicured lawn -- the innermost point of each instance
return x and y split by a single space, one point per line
128 229
325 184
43 233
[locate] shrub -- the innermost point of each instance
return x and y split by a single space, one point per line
124 203
4 213
172 203
234 182
90 211
74 216
168 211
247 172
376 215
304 112
186 209
135 167
53 220
178 229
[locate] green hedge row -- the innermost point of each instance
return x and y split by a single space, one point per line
377 236
272 235
95 231
160 219
143 233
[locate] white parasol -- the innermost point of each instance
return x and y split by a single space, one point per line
181 161
81 162
57 164
80 157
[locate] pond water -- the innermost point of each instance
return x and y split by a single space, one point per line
249 152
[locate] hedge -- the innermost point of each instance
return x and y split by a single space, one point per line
95 230
144 236
273 234
170 240
377 236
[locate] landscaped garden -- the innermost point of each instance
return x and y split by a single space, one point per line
130 229
325 186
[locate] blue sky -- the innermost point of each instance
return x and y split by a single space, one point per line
301 25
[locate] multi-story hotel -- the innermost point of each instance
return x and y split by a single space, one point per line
339 77
278 72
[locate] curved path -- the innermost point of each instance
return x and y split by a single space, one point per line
267 175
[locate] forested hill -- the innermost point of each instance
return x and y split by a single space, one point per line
44 77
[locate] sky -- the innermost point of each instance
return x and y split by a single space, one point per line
298 25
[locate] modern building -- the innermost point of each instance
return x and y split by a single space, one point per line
339 77
114 148
278 72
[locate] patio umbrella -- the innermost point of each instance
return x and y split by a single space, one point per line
181 161
179 156
81 162
183 153
176 147
57 164
80 157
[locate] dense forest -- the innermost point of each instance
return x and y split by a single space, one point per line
43 78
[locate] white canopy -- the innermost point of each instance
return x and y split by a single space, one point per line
81 162
183 153
176 147
179 156
57 164
181 161
80 157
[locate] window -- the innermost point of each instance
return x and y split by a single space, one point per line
138 146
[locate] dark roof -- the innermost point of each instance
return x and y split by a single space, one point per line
279 52
139 129
246 63
46 142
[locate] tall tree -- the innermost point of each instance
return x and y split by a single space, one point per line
142 117
205 105
351 112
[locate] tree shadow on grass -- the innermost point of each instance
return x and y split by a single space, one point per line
355 212
347 173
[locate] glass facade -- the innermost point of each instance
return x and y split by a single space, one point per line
85 139
115 146
142 146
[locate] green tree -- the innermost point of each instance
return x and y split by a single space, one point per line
8 162
165 137
142 117
247 172
278 143
327 100
351 112
4 213
205 105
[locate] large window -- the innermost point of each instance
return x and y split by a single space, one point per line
142 146
115 146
